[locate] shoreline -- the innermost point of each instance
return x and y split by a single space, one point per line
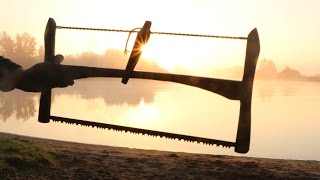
107 162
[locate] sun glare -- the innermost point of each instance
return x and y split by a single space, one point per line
193 54
175 54
143 114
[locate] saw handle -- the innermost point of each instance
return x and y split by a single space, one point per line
141 40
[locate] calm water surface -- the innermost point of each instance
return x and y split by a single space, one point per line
285 116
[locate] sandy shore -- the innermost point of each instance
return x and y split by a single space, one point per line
83 161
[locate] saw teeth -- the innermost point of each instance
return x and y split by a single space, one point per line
198 140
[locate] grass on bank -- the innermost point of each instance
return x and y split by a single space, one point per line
16 156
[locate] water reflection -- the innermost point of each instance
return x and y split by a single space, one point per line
268 89
146 104
284 122
17 103
22 105
112 91
290 89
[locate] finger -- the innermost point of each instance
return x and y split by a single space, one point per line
58 59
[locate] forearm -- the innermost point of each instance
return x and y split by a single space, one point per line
46 75
80 72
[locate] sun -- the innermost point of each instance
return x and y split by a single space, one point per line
193 55
161 53
146 51
150 52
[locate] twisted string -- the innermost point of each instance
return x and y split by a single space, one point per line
163 33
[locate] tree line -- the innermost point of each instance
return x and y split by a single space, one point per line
267 70
22 50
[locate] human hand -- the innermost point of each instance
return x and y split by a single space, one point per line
45 75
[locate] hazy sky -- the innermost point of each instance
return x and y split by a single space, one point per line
289 29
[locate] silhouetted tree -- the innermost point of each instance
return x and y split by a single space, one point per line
25 49
22 50
290 74
6 45
115 58
41 53
267 69
110 59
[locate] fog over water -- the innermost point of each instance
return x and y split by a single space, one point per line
285 121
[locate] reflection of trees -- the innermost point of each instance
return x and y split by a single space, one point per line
22 105
17 103
289 89
113 91
266 90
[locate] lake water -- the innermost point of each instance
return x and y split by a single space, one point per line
285 116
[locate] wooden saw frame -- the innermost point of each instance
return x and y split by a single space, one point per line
231 89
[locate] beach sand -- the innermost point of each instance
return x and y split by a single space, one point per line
83 161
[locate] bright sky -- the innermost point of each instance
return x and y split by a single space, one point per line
289 30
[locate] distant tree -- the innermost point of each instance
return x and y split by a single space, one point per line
267 69
289 74
115 58
84 59
90 59
22 50
25 49
146 65
6 45
41 53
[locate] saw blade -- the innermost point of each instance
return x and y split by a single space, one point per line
153 133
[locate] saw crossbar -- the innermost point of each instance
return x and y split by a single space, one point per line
143 131
234 90
227 88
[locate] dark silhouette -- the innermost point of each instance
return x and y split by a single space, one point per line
42 77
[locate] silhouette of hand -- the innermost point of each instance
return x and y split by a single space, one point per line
44 76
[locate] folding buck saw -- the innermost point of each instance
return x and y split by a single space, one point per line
233 90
